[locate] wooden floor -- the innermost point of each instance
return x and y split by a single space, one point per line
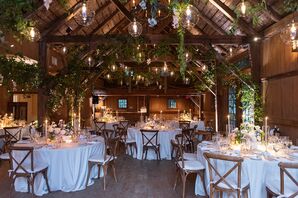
136 179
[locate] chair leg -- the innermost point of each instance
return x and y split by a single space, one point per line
114 171
146 153
176 179
183 177
131 153
32 184
45 175
89 170
221 194
105 168
136 149
143 154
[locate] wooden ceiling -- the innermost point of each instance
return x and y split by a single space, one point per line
59 25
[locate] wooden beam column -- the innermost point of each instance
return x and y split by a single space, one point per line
43 67
255 54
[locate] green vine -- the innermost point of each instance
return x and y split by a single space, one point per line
18 74
290 5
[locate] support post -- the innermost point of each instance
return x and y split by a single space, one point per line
43 68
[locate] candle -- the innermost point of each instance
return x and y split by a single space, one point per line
46 129
265 128
160 114
229 125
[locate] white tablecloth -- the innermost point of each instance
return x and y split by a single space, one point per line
68 167
256 171
164 138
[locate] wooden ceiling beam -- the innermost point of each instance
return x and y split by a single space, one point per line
123 10
231 15
211 23
151 39
56 24
277 27
113 14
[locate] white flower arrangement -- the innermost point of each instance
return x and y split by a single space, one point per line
185 117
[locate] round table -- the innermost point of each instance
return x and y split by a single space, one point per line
256 170
200 124
68 167
164 139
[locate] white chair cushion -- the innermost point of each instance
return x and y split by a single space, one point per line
290 188
4 156
37 167
233 183
192 165
96 158
190 156
130 141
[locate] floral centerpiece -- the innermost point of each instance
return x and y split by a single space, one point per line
108 116
185 117
57 131
248 132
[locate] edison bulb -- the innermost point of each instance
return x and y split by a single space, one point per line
243 8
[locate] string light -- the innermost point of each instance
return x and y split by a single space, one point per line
64 49
135 28
293 31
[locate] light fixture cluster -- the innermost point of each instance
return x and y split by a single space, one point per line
289 35
85 16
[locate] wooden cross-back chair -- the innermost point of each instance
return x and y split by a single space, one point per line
150 141
110 155
124 124
109 134
285 189
186 167
220 182
12 135
99 127
188 137
184 124
129 143
24 166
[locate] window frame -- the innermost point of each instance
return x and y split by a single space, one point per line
118 105
168 103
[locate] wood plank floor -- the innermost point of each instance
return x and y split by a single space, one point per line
136 179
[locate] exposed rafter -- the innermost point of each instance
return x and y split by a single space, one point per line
152 39
56 24
123 10
231 15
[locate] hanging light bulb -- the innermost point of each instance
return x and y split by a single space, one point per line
165 67
1 79
289 33
114 68
85 16
33 34
64 49
89 60
135 28
172 73
243 8
190 17
293 31
108 76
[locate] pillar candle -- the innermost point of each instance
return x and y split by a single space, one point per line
46 129
229 125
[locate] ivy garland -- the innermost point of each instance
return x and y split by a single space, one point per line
18 74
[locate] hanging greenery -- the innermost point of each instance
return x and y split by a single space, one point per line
12 16
18 75
290 5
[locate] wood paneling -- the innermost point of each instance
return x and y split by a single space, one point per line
281 102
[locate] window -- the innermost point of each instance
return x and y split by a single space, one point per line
232 106
172 104
122 103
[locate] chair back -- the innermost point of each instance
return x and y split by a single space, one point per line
124 124
284 170
179 143
17 162
149 137
207 135
218 177
12 134
184 124
111 147
188 135
109 134
99 127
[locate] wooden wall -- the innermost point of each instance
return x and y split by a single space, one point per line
280 67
